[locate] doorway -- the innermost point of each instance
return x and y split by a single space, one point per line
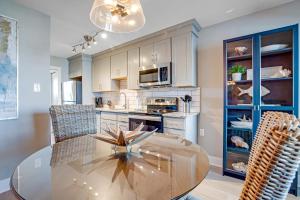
55 77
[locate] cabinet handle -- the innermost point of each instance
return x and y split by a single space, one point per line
258 108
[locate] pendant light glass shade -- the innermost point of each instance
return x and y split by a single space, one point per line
120 16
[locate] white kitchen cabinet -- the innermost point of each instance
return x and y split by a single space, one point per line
75 68
101 76
156 53
184 60
114 120
162 51
146 55
185 126
133 69
119 66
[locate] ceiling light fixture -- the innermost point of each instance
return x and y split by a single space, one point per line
120 16
88 40
104 35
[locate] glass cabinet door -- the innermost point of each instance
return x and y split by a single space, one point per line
239 140
239 72
276 72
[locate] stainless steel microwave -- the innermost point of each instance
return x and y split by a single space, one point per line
155 75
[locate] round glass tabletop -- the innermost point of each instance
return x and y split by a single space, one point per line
160 167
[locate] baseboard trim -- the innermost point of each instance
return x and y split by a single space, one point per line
215 161
4 185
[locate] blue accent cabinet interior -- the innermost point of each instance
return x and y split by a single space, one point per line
261 73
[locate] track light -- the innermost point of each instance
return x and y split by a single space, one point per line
88 41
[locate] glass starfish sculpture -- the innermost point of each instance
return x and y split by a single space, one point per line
124 138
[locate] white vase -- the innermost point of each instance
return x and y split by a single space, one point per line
237 76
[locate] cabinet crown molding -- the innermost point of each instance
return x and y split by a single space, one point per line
184 27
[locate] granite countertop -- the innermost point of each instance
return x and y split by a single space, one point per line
180 114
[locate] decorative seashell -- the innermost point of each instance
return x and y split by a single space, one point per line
240 166
239 142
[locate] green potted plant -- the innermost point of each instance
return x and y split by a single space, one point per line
237 71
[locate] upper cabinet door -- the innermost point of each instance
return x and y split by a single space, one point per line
240 73
162 51
133 69
184 60
101 76
119 66
277 71
146 55
75 69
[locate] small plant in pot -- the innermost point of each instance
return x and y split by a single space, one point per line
237 71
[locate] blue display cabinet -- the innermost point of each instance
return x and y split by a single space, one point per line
261 73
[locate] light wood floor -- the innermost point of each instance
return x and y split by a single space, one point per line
214 187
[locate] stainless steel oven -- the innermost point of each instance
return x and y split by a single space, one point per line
155 75
150 122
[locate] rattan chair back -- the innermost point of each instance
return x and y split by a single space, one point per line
275 158
70 121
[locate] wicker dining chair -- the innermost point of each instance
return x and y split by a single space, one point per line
274 158
69 121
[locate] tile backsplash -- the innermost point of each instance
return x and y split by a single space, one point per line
136 99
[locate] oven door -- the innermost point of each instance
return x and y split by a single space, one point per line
150 122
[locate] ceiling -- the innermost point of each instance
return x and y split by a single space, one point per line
70 18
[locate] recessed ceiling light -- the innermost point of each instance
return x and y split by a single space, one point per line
229 11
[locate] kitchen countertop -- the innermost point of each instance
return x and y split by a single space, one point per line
180 114
126 111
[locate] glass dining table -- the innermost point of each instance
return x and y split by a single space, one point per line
162 167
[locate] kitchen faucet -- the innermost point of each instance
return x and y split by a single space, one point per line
125 99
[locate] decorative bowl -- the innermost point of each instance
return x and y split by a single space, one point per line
273 47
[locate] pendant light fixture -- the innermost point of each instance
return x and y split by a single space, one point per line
120 16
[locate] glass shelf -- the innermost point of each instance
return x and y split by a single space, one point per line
263 80
238 150
242 57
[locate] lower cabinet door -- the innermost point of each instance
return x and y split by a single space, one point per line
123 126
110 123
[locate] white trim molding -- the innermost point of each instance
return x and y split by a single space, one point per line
4 185
215 161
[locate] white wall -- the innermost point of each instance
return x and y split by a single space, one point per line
211 66
63 63
19 138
